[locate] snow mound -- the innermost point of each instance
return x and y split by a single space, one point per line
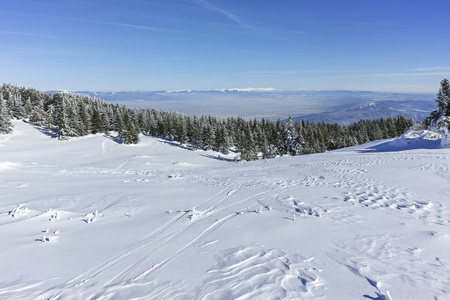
424 139
418 139
7 165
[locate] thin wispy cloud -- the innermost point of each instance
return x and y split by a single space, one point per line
134 26
401 74
435 71
28 34
255 29
440 68
362 23
222 12
323 71
269 73
139 27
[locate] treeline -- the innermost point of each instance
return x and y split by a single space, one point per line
70 115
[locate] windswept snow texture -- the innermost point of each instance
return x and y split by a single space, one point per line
92 219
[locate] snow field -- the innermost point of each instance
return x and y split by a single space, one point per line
92 219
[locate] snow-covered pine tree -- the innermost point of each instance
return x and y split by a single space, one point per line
60 116
440 117
118 118
290 146
208 136
442 102
246 145
299 140
278 139
391 127
262 144
222 140
18 111
129 133
97 121
85 118
27 107
38 115
196 134
73 119
141 119
181 132
151 125
5 117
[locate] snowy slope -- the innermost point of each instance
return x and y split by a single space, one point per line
92 219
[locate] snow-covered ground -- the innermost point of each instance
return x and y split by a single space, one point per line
90 218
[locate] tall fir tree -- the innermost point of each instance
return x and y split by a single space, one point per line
443 107
290 146
60 116
129 133
5 117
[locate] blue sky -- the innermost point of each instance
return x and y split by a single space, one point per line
378 45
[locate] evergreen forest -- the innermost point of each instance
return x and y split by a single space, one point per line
65 115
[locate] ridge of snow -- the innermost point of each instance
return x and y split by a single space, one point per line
66 91
368 104
249 89
425 139
180 91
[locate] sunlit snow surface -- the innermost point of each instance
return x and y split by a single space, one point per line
90 218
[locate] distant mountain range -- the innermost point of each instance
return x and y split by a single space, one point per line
345 115
341 107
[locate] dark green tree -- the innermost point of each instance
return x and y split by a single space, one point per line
5 117
129 133
443 106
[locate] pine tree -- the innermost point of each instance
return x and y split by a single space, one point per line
443 105
27 107
262 143
17 110
96 121
182 132
208 136
290 146
129 133
222 140
299 141
278 139
5 117
85 118
60 116
38 116
391 128
246 145
73 119
151 125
